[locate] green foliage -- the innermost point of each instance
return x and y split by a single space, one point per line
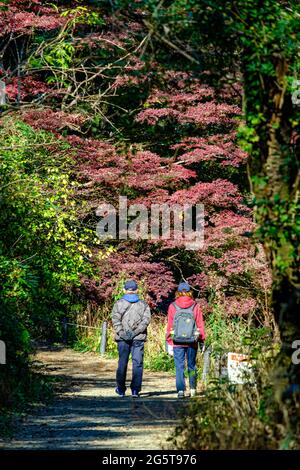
59 52
161 362
156 357
82 15
119 289
225 334
111 345
269 34
42 246
231 417
87 342
31 389
43 249
59 56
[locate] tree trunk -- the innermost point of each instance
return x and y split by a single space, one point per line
275 183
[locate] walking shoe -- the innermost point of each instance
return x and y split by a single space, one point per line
193 392
135 394
180 394
118 392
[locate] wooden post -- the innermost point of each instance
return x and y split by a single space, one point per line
206 364
65 330
103 340
217 365
224 369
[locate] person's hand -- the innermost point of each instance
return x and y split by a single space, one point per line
170 350
122 334
129 335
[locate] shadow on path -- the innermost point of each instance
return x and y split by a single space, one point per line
87 414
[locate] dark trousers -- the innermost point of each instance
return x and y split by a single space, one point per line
180 354
136 348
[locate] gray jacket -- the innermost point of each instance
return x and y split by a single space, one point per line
134 316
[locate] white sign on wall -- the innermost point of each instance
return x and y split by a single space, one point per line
239 368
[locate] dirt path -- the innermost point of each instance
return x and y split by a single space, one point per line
87 414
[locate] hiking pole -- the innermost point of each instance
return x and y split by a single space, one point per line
102 348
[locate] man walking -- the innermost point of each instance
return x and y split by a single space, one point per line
130 317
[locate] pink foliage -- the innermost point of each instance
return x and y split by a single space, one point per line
187 100
53 121
239 307
182 98
200 114
219 148
151 116
124 81
210 113
178 98
23 16
143 170
108 41
226 225
204 305
199 281
218 193
28 87
120 266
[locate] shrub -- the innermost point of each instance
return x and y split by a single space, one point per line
41 251
249 416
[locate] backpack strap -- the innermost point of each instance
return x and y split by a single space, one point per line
126 309
177 307
130 305
143 302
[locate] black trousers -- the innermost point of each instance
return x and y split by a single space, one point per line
136 348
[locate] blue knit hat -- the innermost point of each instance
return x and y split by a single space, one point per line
130 285
183 286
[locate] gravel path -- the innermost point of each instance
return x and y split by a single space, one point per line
87 414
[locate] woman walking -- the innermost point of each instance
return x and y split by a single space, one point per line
185 329
130 317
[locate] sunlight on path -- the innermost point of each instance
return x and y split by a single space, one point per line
87 414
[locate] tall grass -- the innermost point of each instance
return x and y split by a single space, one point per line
225 334
222 335
156 358
229 416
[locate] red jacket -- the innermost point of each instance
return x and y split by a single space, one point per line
185 302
